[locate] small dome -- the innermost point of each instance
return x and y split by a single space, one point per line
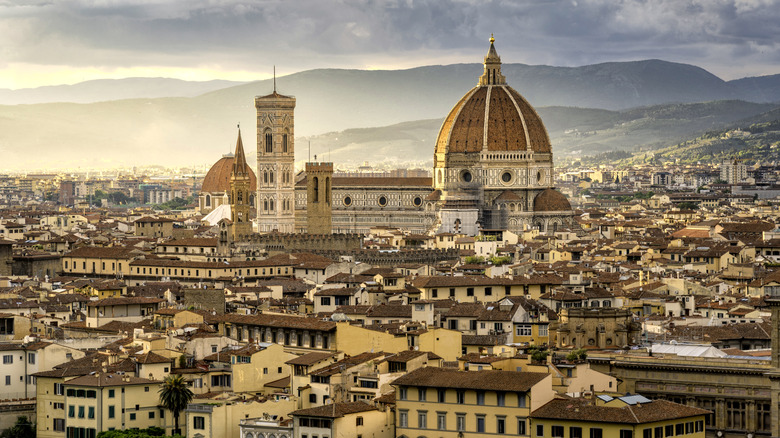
218 177
551 200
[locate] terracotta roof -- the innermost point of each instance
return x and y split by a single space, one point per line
281 321
640 413
481 380
192 241
114 252
150 358
310 358
124 301
345 364
110 379
334 410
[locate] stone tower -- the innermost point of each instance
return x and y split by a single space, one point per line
240 194
774 374
275 163
319 177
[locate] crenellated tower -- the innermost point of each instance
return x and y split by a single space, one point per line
319 209
275 162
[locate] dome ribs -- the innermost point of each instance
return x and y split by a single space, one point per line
468 129
537 134
500 133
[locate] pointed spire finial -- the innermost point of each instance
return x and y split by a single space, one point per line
492 74
274 79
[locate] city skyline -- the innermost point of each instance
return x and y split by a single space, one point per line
52 43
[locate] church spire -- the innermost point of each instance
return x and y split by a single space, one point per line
240 167
492 74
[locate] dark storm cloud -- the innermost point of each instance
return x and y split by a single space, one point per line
731 38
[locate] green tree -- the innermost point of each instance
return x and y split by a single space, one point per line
22 429
175 396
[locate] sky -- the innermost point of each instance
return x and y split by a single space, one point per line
52 42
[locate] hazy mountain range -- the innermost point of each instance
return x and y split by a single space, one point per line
163 121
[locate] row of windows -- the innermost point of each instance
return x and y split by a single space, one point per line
669 430
84 265
90 412
257 271
460 422
460 396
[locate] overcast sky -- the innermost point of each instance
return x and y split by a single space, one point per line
48 42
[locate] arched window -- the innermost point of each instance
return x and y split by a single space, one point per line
240 197
284 142
316 184
269 141
265 205
271 177
208 200
327 190
270 205
265 177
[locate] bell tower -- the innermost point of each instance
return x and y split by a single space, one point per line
275 162
240 194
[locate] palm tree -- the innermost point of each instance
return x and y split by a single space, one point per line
175 396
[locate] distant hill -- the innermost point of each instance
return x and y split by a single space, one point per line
101 90
178 130
573 131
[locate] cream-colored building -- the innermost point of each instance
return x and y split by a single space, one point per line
221 417
452 403
352 419
108 401
621 417
257 364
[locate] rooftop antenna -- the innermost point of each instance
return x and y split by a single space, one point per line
274 79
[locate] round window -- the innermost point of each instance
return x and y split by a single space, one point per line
539 176
382 201
466 176
506 177
440 176
417 201
347 201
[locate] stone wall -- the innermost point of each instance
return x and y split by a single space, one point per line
205 299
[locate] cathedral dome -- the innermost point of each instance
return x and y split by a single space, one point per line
551 200
495 113
218 177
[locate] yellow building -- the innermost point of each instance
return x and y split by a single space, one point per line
353 419
354 340
450 403
109 401
220 417
484 289
99 261
257 364
623 417
154 227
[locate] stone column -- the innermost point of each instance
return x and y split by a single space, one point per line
720 413
750 415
